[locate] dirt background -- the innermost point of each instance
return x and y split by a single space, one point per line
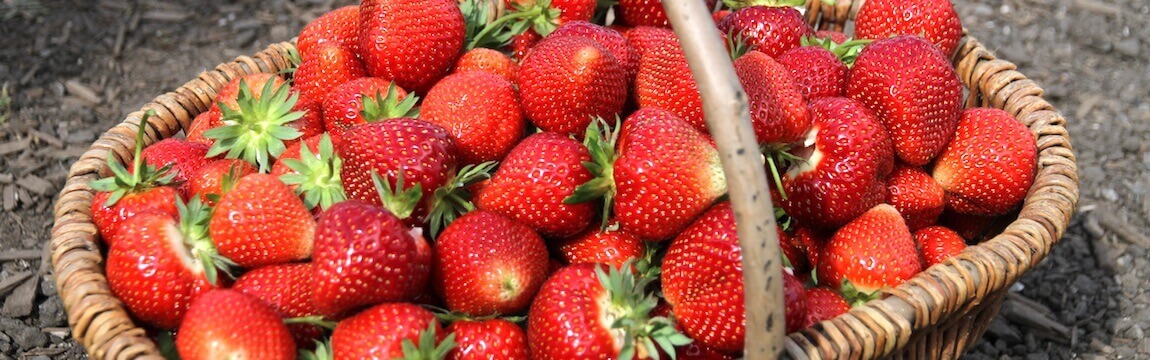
75 68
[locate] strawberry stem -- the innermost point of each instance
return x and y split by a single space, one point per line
323 351
316 320
194 218
452 199
142 176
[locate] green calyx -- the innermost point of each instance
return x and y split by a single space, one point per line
483 28
737 44
140 179
600 143
630 315
452 199
257 130
323 351
739 4
778 157
847 52
293 59
194 218
388 106
317 176
857 297
540 17
427 349
399 201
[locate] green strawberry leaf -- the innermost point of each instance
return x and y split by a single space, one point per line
257 130
739 4
166 341
317 176
857 297
142 176
317 320
388 106
323 351
632 306
600 142
399 201
427 349
452 199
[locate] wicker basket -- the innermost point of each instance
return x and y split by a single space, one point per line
938 314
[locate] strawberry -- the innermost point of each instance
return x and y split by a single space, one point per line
938 243
566 82
546 15
208 181
664 80
584 311
837 37
309 124
848 157
488 339
817 71
330 66
183 157
612 40
390 331
935 20
793 251
338 27
522 43
779 112
872 252
125 194
973 228
203 122
227 324
411 42
913 90
228 97
811 243
989 166
365 255
286 289
480 111
486 263
611 246
769 29
823 303
533 181
313 172
256 127
695 350
262 222
648 12
916 195
159 264
488 60
364 100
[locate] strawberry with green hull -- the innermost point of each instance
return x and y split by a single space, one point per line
485 264
937 244
481 113
913 90
770 29
256 129
338 27
260 222
183 158
873 252
286 289
487 339
332 65
611 246
130 192
989 166
228 324
823 303
566 82
779 113
916 195
664 80
934 20
484 59
391 331
364 100
229 97
411 42
313 172
208 181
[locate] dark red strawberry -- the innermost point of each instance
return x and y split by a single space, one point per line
937 244
566 82
182 156
935 20
817 71
973 228
337 27
391 331
913 90
488 339
873 252
208 181
823 303
480 111
262 222
361 101
330 66
485 59
916 195
130 192
647 12
612 40
411 42
778 110
611 246
286 289
988 168
228 324
810 242
769 29
664 80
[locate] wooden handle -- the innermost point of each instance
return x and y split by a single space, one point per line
729 120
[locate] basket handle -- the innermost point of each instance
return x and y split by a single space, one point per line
729 121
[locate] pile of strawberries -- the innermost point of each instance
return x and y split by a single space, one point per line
447 180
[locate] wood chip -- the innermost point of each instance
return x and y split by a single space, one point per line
22 300
10 255
165 15
47 138
10 282
15 146
6 178
1120 228
1024 315
35 184
82 91
1098 7
10 199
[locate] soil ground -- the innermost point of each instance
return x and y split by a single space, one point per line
75 68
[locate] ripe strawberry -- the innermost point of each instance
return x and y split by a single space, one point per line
522 43
390 331
817 71
309 124
913 90
848 158
488 339
811 243
837 37
313 172
612 40
872 252
664 80
364 100
533 181
823 303
411 42
916 195
938 243
611 246
485 59
988 167
566 82
647 12
574 316
256 127
208 181
935 20
364 255
228 324
330 66
286 289
769 29
481 113
228 96
695 350
159 264
183 157
338 27
262 222
546 15
794 252
203 122
778 109
125 194
486 263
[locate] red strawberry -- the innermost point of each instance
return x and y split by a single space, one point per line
160 264
313 172
664 80
647 12
286 289
873 252
533 181
848 158
916 196
227 324
182 156
573 317
256 127
610 246
837 37
411 42
130 192
203 122
793 251
695 350
778 110
330 66
522 43
208 181
387 331
338 27
486 263
913 90
823 303
989 166
361 101
488 60
566 82
481 113
612 40
364 255
817 71
935 20
810 242
938 243
556 12
488 339
309 124
769 29
261 222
